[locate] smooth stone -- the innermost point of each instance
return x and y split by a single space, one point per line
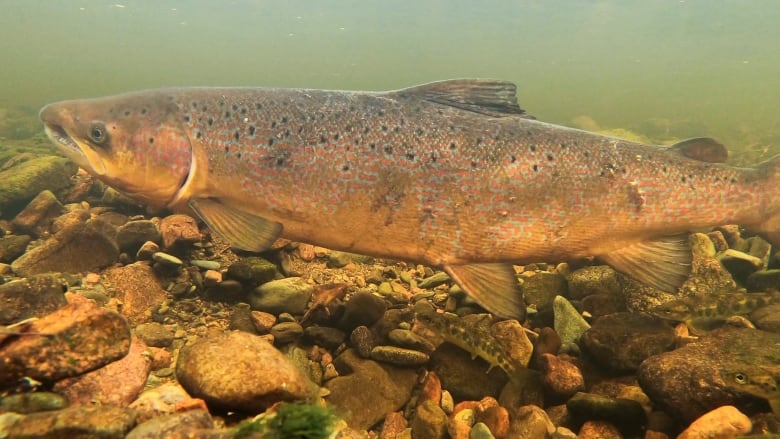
598 430
117 383
623 413
154 334
166 259
406 338
162 400
480 431
429 421
147 251
252 270
391 387
223 370
723 422
495 419
175 425
286 332
530 422
24 181
568 322
289 295
104 422
561 378
179 230
337 259
399 356
76 248
621 341
25 403
464 377
39 213
595 279
740 264
362 309
76 338
439 278
34 296
263 321
362 340
13 246
329 338
205 265
763 280
133 234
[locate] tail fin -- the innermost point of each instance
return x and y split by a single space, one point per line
770 226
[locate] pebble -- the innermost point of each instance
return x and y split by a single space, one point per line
167 259
393 425
447 403
212 278
154 334
263 321
362 339
408 339
222 369
146 251
179 230
289 295
541 288
561 378
434 281
138 288
161 400
329 338
623 413
739 264
464 377
568 322
399 356
495 418
25 403
598 430
481 431
530 422
13 246
79 337
429 421
253 271
723 422
595 279
35 218
205 265
34 296
430 390
362 309
190 423
106 422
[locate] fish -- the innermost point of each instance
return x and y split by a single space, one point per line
705 312
761 383
452 174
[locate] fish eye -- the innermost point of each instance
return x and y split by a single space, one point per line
98 133
740 378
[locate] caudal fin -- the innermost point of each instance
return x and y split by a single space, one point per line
770 226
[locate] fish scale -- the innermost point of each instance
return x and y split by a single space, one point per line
452 174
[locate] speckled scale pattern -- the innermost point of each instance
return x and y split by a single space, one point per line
396 175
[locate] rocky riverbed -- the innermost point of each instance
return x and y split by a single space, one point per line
119 322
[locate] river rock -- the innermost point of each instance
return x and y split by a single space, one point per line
104 422
163 400
179 231
597 279
38 215
117 383
362 309
465 377
189 424
290 295
390 388
21 183
13 246
740 264
75 339
763 280
531 422
562 378
429 421
541 288
138 288
25 403
240 371
252 270
329 338
133 234
568 322
154 334
723 422
621 341
623 413
698 377
76 248
31 297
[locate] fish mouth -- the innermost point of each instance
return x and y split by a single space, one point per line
72 149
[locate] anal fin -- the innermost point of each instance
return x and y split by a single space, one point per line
664 263
493 285
241 229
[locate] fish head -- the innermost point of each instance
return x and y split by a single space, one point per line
135 143
677 310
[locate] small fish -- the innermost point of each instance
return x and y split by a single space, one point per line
761 383
706 312
472 335
451 174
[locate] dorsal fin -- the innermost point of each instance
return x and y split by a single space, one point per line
703 149
485 96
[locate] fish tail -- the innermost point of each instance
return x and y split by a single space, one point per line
770 225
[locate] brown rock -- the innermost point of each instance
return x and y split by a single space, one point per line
32 297
722 423
223 370
13 246
599 430
138 289
160 358
76 248
179 230
561 378
117 383
162 400
497 420
394 424
75 339
531 422
105 422
431 389
429 422
37 216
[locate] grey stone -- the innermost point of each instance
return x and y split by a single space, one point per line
626 414
289 295
252 270
133 234
38 214
105 422
167 260
329 338
399 356
206 265
35 296
32 402
21 183
362 309
439 278
286 332
568 322
13 246
542 287
596 279
154 334
174 424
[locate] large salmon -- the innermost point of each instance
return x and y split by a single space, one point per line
452 174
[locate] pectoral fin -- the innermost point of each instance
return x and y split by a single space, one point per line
663 263
703 149
492 285
241 229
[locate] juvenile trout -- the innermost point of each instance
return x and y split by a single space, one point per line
451 174
705 312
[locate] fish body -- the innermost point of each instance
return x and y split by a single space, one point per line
451 174
708 311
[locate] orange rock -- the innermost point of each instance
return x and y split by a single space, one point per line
431 389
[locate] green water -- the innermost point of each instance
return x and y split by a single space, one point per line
662 68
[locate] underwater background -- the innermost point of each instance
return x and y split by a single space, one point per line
663 69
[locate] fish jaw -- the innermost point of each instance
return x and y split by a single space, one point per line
132 143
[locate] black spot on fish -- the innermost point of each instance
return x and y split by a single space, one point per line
388 149
345 168
381 112
243 111
287 133
536 168
284 119
479 141
452 146
418 131
144 110
127 113
227 115
251 130
733 180
221 103
365 130
433 157
586 153
204 108
194 104
227 149
682 179
372 146
384 128
549 157
187 118
396 129
279 161
270 141
151 140
236 135
512 159
235 107
474 165
198 134
533 148
323 139
258 106
562 145
410 156
452 127
211 121
336 137
664 169
273 124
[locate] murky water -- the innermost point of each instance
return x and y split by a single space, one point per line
664 68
